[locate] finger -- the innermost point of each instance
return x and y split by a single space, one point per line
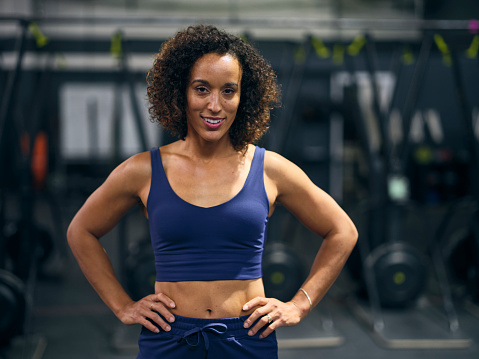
158 320
258 313
255 302
269 329
265 320
160 308
163 298
266 332
258 301
149 325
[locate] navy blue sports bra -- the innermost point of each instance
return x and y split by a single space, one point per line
223 242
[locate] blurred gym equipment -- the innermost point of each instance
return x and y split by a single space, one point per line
389 263
393 272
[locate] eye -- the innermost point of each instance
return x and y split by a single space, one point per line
201 89
229 91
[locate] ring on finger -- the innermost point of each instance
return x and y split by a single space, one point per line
270 320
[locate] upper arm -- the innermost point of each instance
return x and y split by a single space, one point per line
124 187
294 190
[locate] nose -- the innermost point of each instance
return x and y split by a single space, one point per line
214 102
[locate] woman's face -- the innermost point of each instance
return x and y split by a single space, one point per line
213 96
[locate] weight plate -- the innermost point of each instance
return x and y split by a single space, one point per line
141 271
43 241
12 305
282 273
400 273
462 258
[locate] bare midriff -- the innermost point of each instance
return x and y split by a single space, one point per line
211 299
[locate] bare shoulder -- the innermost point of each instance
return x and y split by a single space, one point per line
278 168
289 181
310 204
272 159
133 173
137 165
125 185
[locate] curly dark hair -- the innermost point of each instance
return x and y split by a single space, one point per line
169 77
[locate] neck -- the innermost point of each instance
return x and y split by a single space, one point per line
207 151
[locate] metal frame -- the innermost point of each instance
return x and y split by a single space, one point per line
277 22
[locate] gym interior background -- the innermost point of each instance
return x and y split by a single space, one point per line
380 108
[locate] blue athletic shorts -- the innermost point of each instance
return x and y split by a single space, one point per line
191 338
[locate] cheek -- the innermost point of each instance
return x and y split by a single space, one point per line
232 105
190 102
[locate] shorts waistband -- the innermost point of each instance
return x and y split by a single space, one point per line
234 325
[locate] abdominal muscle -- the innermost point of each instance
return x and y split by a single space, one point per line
211 299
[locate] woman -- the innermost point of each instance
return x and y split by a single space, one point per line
208 198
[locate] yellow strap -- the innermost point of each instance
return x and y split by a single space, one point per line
115 47
355 47
321 50
407 56
471 52
442 46
40 38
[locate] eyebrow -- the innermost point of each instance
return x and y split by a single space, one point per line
207 83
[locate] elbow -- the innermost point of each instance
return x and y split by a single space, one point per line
79 236
71 234
74 233
353 235
349 235
345 235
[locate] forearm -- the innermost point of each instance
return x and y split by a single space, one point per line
97 268
327 266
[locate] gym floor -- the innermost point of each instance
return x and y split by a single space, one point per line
68 319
